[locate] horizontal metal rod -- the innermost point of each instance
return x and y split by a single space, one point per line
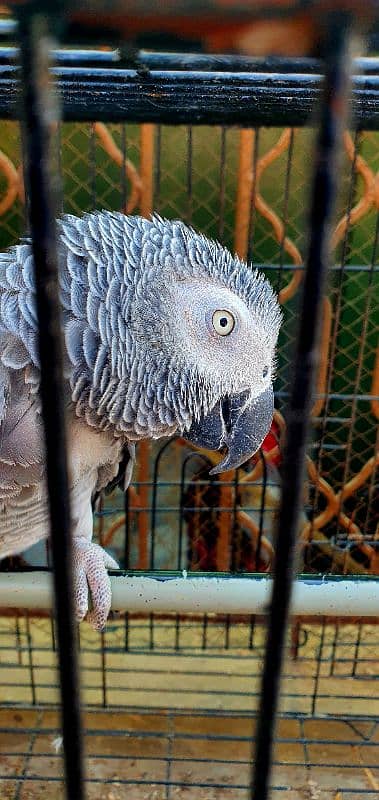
333 267
355 597
366 398
198 98
190 61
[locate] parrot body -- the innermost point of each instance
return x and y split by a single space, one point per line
164 332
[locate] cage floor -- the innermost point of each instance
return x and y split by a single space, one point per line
167 667
328 737
158 756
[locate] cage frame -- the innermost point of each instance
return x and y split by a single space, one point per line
33 34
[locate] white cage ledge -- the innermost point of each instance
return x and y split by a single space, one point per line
312 595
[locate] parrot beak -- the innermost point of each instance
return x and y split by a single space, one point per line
239 423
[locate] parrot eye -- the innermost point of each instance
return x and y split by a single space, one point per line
223 322
265 372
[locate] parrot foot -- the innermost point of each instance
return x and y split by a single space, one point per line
90 574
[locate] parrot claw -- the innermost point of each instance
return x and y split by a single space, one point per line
90 564
130 465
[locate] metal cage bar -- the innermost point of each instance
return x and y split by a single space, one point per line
193 62
39 112
333 114
116 94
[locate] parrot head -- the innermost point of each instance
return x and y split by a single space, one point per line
214 322
167 333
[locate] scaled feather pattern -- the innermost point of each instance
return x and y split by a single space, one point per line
143 359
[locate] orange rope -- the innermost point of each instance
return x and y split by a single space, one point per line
224 527
147 133
368 197
375 386
11 175
147 139
322 375
116 155
360 478
244 190
245 183
247 522
332 502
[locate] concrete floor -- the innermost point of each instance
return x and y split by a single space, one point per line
201 749
133 755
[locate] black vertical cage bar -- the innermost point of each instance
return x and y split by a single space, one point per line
39 114
323 191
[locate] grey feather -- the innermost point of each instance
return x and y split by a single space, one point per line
136 296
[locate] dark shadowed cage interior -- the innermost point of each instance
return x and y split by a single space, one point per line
170 699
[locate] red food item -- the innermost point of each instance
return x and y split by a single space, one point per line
271 442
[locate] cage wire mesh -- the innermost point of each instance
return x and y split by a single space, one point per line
171 698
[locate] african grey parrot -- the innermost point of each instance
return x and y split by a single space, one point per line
164 332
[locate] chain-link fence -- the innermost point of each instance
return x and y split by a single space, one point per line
249 189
